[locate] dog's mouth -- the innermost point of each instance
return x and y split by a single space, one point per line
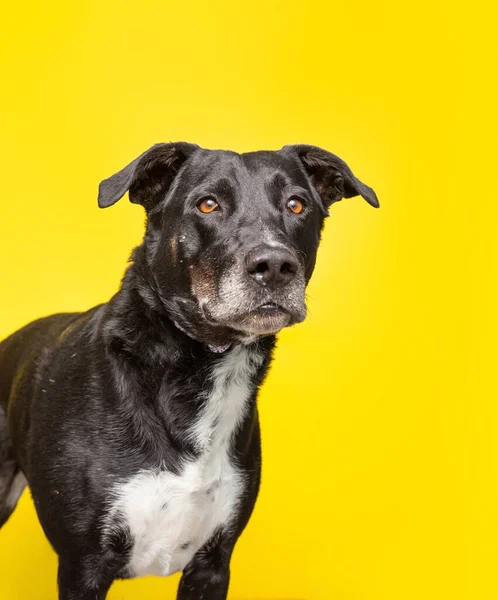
267 318
269 308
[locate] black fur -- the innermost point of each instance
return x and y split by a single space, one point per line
89 398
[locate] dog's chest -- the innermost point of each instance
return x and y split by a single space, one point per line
171 516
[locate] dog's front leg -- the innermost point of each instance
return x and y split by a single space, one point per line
208 584
81 581
207 576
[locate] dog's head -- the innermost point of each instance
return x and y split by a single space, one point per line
231 239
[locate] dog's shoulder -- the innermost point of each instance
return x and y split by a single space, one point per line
25 350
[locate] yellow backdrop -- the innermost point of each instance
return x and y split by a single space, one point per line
379 416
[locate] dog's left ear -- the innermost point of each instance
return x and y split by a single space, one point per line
148 177
331 176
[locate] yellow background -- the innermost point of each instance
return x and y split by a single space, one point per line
379 417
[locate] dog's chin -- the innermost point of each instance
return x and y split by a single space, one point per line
220 324
268 319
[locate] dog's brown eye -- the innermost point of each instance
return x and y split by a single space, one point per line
207 205
295 205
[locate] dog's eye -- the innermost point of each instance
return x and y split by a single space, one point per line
295 205
207 205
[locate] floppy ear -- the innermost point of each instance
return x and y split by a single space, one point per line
147 176
331 176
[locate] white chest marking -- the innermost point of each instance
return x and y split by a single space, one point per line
171 516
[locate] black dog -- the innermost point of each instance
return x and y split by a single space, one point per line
135 424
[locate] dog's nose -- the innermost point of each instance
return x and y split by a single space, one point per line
271 266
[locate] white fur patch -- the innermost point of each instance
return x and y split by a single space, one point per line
171 516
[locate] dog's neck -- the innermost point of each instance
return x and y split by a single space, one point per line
159 366
216 349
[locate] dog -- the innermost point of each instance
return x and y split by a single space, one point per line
135 424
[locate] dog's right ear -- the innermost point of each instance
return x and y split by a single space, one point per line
148 177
